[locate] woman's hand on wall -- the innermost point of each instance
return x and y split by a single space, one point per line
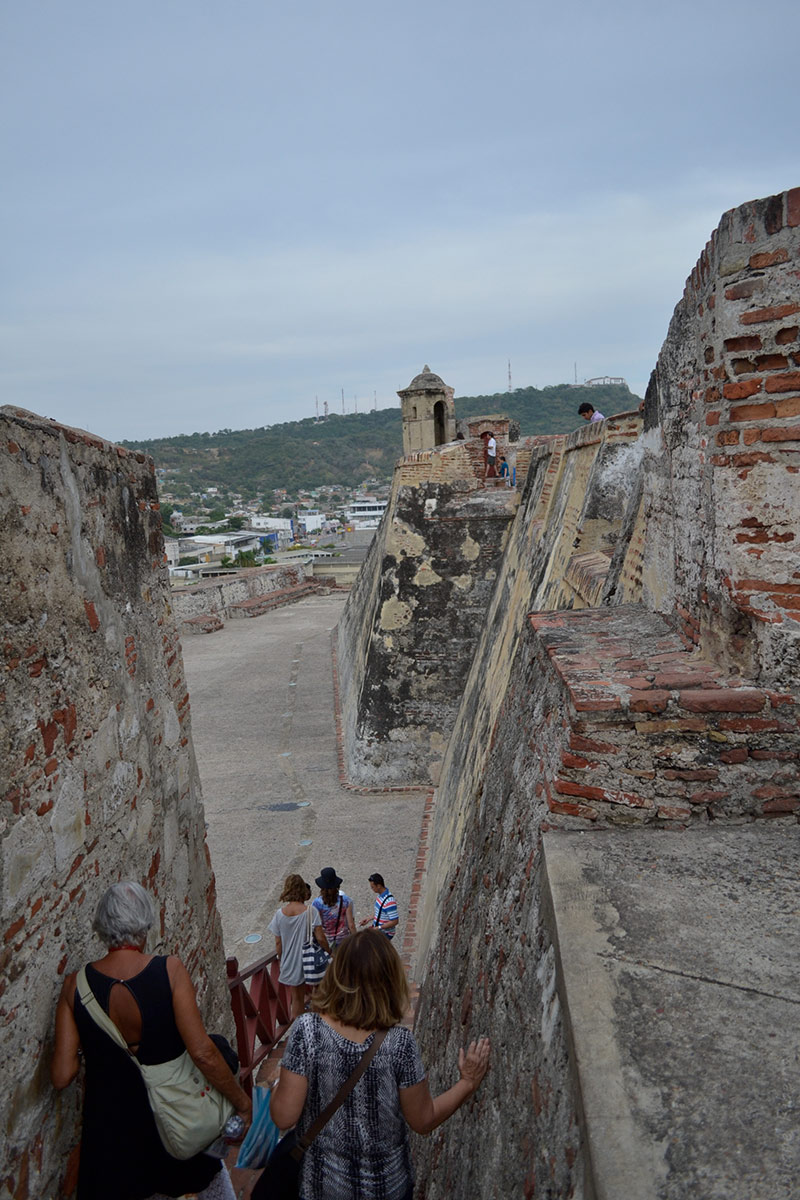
473 1063
424 1113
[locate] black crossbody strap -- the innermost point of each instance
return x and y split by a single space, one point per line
344 1091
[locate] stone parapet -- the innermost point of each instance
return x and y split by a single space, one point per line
636 673
99 781
654 733
221 594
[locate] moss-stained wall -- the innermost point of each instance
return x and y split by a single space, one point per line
99 781
416 623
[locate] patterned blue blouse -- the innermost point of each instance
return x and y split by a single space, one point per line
363 1152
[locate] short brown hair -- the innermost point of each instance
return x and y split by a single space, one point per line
365 985
294 888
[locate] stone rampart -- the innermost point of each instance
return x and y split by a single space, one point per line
637 667
99 776
220 594
408 634
721 469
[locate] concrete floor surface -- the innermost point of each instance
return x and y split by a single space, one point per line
263 726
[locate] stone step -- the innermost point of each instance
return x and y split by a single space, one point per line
255 606
655 733
209 622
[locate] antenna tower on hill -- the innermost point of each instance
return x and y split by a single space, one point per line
509 374
325 408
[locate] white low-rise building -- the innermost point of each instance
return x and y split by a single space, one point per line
228 545
281 528
365 512
311 521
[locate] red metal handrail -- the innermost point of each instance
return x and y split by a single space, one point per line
261 1012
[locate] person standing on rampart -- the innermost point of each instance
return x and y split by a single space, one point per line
491 455
589 412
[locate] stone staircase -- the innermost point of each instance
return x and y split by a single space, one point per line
209 622
654 733
255 606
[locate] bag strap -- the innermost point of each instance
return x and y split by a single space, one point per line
309 924
98 1013
381 907
344 1091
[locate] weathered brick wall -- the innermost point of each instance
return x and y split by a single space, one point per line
674 703
589 472
217 595
492 969
722 472
408 637
456 462
99 777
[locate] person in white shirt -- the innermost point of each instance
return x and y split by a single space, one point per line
589 412
491 456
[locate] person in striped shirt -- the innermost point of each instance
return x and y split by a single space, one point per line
385 917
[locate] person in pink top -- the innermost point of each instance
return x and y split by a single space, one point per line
334 907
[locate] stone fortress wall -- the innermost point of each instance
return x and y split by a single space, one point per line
224 595
638 668
99 781
611 647
634 669
407 637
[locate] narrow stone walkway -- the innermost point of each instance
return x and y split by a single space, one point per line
264 732
263 726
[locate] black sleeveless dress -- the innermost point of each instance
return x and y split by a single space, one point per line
121 1152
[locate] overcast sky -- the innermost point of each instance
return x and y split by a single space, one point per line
213 213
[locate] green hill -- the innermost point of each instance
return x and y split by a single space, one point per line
344 450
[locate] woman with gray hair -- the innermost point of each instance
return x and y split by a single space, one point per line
151 1000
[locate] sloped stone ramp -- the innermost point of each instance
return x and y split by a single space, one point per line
677 972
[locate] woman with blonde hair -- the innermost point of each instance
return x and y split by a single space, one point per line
293 924
362 1152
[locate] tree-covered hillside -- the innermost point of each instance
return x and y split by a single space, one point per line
347 449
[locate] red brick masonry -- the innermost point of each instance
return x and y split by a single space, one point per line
653 732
